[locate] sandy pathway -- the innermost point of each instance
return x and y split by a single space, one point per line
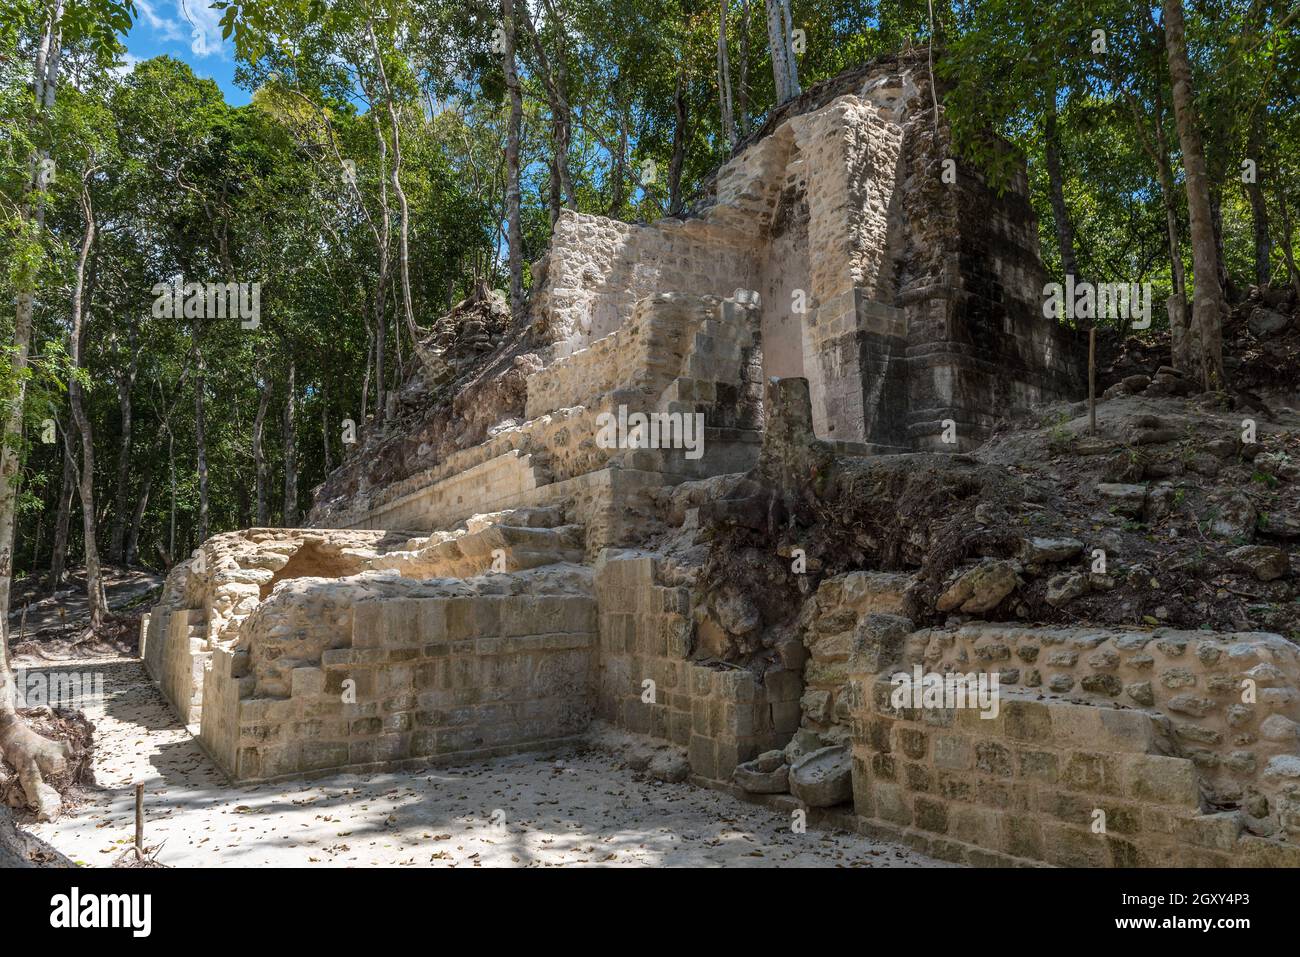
540 810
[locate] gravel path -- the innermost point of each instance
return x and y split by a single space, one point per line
575 807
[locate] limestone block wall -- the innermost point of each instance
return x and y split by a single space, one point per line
489 486
833 618
208 596
676 353
378 670
722 715
1028 785
1229 701
971 293
598 269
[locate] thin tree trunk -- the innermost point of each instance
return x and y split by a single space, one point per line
1181 352
724 78
325 425
137 518
365 379
63 518
86 484
679 144
618 189
1216 219
1291 267
1258 207
171 523
1060 212
290 456
785 71
1208 301
403 235
514 233
125 383
259 457
742 87
791 61
200 437
553 81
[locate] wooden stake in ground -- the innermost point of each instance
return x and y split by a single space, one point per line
1092 381
139 821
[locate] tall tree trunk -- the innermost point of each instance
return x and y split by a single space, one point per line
259 457
171 520
132 554
325 426
63 518
1216 219
553 77
618 189
724 78
785 70
1207 303
514 233
1258 207
1056 184
200 435
742 86
86 484
1287 253
290 455
365 379
679 144
125 383
1181 352
31 755
403 235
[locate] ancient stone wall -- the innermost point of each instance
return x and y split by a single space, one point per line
1069 784
722 715
834 616
598 269
674 354
376 670
210 595
1197 681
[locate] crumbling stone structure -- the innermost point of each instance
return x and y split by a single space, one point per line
468 593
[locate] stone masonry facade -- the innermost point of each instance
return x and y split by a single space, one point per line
535 580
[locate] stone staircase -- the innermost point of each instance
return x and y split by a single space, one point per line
508 541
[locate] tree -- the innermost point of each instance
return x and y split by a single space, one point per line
1208 304
32 755
514 236
780 35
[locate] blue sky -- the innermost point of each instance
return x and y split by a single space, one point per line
188 30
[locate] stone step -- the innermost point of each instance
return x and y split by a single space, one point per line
506 548
547 516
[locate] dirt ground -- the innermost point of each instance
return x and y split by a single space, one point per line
576 807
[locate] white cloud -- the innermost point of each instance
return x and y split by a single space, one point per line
129 60
165 29
195 24
205 27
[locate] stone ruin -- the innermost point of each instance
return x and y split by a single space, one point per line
490 577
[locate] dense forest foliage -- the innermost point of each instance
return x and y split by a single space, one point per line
396 154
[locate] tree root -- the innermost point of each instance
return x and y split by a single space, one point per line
34 758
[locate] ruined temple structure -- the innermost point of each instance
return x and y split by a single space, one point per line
486 575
